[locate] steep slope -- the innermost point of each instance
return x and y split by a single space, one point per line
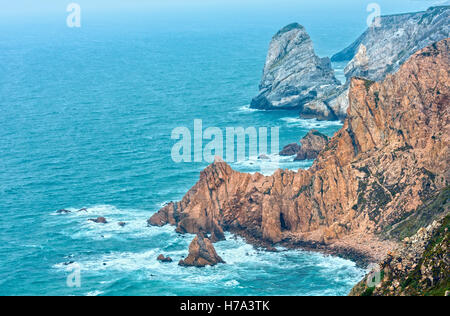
294 75
391 156
420 266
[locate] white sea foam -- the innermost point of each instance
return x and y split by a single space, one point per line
247 109
310 123
269 165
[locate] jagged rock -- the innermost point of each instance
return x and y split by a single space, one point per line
290 150
99 220
162 258
201 253
382 50
294 75
391 155
312 144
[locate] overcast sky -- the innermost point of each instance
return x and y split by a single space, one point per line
40 7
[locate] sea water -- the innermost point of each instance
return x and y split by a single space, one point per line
86 120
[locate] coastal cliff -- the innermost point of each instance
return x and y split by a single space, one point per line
294 75
382 49
296 78
390 157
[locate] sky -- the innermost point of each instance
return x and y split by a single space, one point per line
17 8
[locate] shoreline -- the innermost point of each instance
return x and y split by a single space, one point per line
341 248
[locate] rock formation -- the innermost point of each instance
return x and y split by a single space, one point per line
391 155
99 220
382 50
294 75
201 253
290 150
311 145
164 259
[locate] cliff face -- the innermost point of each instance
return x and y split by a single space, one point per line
294 75
391 155
382 50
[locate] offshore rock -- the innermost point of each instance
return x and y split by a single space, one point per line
295 76
312 145
99 220
201 253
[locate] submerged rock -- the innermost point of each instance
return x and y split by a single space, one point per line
201 253
294 75
164 259
99 220
122 224
63 211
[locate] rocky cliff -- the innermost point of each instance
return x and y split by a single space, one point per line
294 75
390 157
382 50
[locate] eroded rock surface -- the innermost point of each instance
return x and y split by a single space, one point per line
391 155
294 75
382 50
201 253
312 144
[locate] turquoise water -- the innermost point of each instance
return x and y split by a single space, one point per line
86 118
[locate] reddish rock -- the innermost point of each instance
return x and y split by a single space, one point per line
391 155
99 220
201 253
164 259
312 144
290 150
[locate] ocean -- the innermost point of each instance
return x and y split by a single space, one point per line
86 121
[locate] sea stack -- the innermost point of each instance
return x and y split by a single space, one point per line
294 75
201 253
